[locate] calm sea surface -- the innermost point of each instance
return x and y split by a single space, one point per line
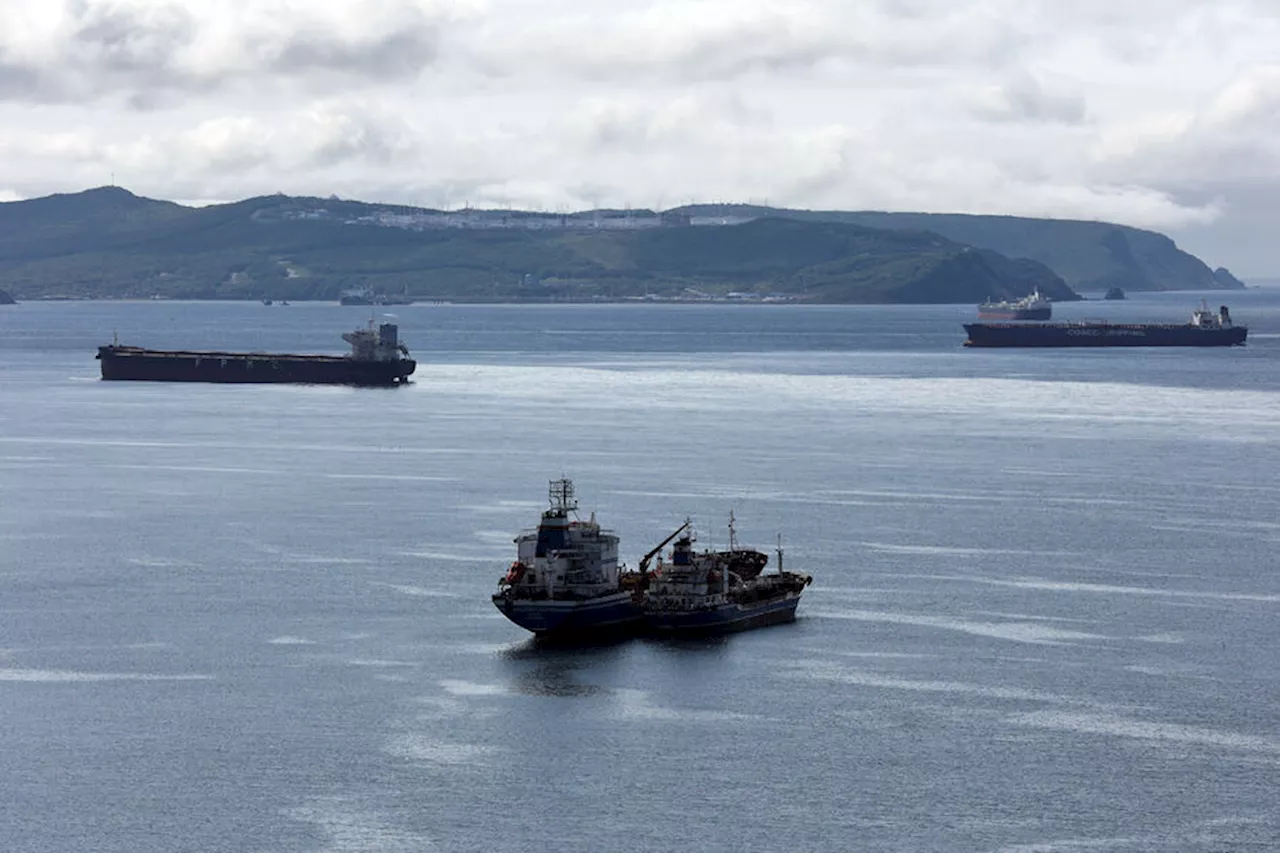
1044 615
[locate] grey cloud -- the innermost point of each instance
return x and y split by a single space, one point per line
1243 238
148 55
1026 100
393 55
743 39
1225 154
1230 141
16 78
124 40
362 140
639 126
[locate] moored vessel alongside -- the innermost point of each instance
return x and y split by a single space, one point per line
566 582
717 592
1030 307
1205 329
377 358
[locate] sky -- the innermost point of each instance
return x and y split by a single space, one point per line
1162 114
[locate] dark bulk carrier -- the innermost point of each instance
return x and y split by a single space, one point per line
716 592
1206 329
377 358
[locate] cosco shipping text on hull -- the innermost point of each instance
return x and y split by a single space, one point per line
1067 335
1206 329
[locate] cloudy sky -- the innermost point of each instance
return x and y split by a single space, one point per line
1163 114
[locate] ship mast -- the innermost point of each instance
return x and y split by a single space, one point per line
560 493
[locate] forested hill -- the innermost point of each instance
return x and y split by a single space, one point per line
1088 255
110 243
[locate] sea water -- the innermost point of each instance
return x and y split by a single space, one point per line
239 618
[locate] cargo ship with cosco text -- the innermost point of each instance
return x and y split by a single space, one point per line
1205 329
377 358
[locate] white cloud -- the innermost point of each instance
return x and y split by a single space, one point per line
1157 113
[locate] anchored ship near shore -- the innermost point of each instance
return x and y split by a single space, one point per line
1205 329
566 582
1030 307
377 358
717 592
366 296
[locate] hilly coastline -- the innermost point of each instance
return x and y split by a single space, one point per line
110 243
1087 255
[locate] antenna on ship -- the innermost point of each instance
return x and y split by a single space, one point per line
733 540
561 494
779 553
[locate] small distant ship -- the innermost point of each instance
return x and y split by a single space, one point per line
1205 329
356 296
566 581
718 592
377 358
366 296
1030 307
394 299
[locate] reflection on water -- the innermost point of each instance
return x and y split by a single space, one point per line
541 648
555 666
555 679
681 645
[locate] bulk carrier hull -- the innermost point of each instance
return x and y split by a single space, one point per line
1101 335
377 358
136 363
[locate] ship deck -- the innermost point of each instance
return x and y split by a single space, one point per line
135 352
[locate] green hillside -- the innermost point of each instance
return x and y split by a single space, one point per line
1087 255
109 243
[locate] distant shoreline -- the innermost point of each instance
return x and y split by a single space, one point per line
1090 296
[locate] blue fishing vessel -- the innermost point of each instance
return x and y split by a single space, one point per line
717 592
566 581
